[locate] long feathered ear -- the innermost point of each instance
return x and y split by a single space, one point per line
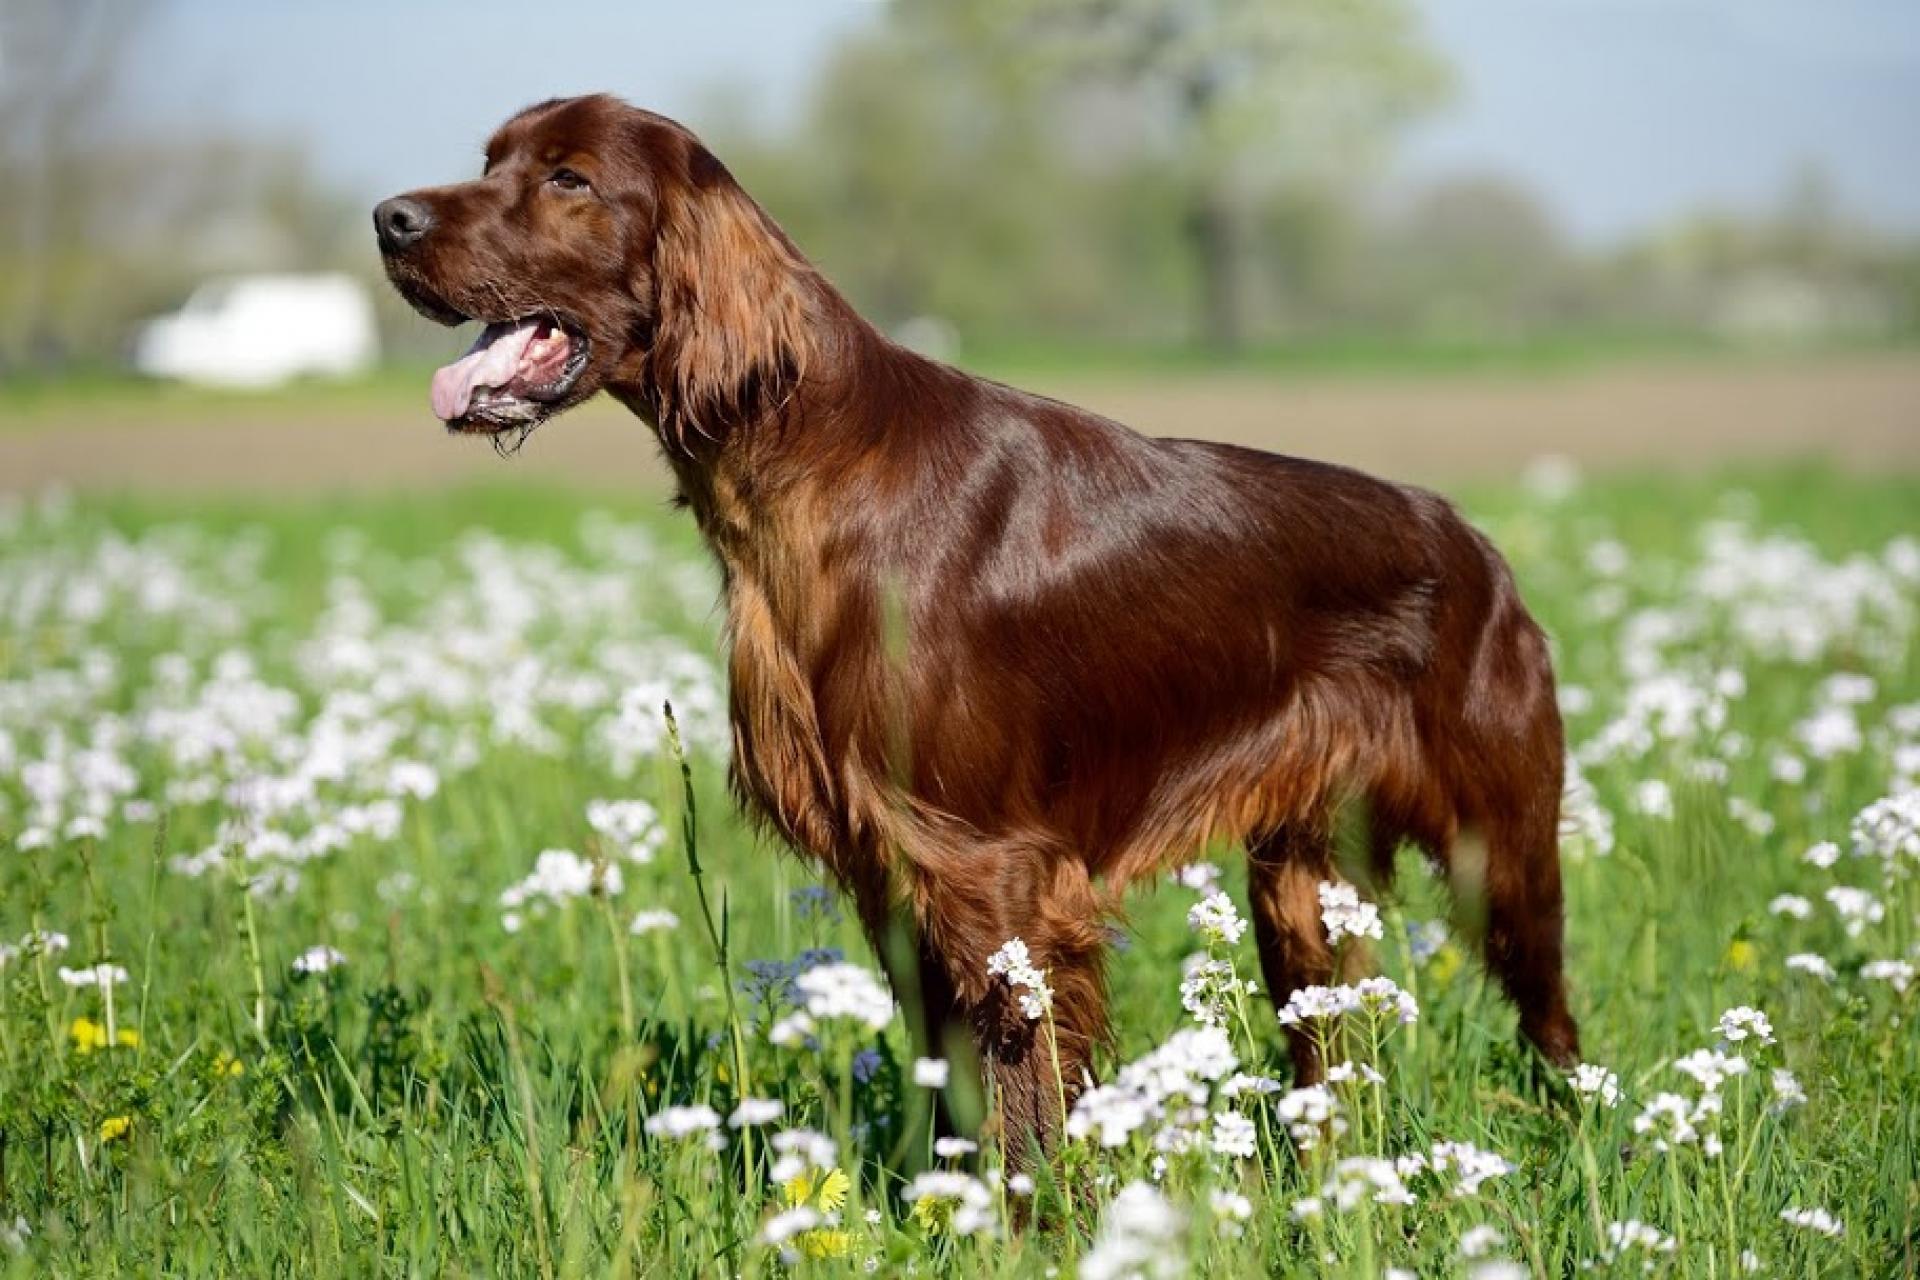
731 331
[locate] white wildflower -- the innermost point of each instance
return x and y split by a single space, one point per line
1815 1219
1013 963
1744 1021
652 920
682 1122
752 1112
1233 1135
1790 904
1710 1068
1592 1081
1139 1238
843 990
1897 973
1345 914
1812 963
1217 920
95 975
1856 908
1478 1242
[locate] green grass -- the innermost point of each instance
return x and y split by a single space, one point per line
73 399
459 1099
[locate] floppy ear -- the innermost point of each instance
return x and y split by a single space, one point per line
731 325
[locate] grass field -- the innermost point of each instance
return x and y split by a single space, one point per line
322 954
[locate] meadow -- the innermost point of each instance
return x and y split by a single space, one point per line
357 917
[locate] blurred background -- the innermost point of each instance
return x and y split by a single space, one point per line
1434 239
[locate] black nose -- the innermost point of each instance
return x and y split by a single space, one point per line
401 222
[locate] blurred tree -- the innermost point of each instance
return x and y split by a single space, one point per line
57 72
1251 95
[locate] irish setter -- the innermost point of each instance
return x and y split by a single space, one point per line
992 657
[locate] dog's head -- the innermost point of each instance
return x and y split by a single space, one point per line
601 246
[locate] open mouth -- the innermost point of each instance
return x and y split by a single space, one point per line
512 376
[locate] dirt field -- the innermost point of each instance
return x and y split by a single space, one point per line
1857 411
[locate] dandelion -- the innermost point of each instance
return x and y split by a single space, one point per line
753 1112
946 1199
652 920
1816 1220
1596 1082
788 1223
1744 1021
931 1073
1216 919
321 959
113 1128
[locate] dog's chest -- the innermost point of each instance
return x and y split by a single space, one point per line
781 759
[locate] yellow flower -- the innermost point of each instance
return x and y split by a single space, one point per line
932 1212
88 1035
1741 955
826 1244
1446 963
832 1191
115 1127
225 1064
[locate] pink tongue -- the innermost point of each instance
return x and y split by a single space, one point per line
490 362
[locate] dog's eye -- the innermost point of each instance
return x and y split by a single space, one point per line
567 180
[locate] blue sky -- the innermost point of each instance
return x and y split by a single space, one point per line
1621 112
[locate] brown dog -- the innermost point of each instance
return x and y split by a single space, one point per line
994 657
